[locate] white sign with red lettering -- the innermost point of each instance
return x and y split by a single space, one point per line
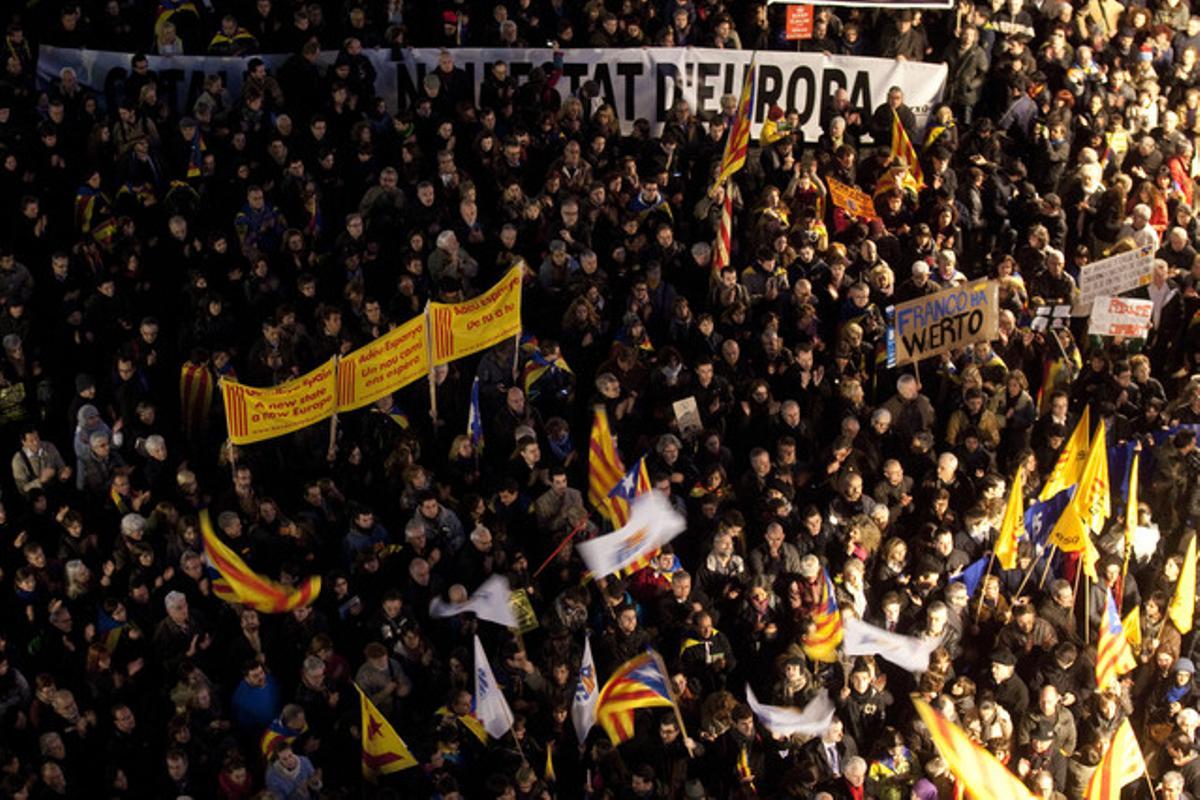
1120 316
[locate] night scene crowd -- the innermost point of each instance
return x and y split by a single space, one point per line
149 251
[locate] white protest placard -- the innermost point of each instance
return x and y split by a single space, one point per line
1114 275
1120 316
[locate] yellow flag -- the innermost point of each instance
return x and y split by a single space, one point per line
1122 763
1131 505
1013 524
972 766
1132 623
1088 509
383 751
1069 465
1183 604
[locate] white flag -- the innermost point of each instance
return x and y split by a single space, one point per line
587 690
490 602
491 708
861 639
652 523
785 720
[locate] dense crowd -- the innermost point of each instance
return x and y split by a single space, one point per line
148 251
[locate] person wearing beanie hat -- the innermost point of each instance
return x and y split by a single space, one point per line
1008 688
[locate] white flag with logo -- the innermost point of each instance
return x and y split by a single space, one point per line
813 720
490 602
587 691
491 708
861 639
652 523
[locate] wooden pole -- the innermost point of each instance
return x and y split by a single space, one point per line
1075 586
1046 569
1087 603
433 412
516 368
1029 574
331 452
983 584
674 700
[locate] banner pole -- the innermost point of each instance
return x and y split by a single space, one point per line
516 367
331 452
433 410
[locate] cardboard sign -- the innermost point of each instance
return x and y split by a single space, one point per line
854 201
944 321
1121 316
687 415
798 22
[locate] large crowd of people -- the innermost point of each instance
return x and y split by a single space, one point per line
148 251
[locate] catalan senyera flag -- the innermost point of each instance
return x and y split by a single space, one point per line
1012 527
723 246
822 643
605 469
1122 763
1113 655
1183 603
249 588
196 386
641 682
383 751
902 148
1089 508
972 765
1069 465
738 141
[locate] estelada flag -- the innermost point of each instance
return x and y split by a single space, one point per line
383 751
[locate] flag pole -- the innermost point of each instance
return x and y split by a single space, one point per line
516 356
433 410
1087 603
983 585
1029 574
331 452
1046 569
674 700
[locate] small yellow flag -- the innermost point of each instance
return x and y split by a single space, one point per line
1013 524
1069 465
1183 604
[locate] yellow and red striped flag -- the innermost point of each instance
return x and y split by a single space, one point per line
972 766
383 751
738 143
1122 763
902 148
641 682
605 470
1013 524
247 587
822 643
723 247
1113 656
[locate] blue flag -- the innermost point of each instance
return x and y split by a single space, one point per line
972 575
1040 517
475 419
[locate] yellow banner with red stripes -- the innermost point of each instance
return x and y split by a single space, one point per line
460 329
391 362
253 414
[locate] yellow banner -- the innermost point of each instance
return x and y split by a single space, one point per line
460 329
391 362
854 201
254 414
